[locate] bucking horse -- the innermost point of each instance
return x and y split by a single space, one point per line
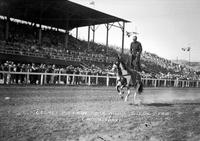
126 78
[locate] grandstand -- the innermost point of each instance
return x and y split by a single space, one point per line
38 32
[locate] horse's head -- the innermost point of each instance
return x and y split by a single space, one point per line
117 66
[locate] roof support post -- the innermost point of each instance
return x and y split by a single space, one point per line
66 38
66 33
108 27
40 21
7 28
88 37
40 35
77 33
107 34
123 29
93 30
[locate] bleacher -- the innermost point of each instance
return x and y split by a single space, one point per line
22 41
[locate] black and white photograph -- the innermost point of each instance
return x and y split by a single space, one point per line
99 70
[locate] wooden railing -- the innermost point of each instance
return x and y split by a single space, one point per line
84 79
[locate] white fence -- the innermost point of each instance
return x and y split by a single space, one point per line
75 79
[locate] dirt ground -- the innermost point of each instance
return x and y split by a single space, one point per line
37 113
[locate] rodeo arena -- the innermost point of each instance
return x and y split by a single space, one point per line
55 86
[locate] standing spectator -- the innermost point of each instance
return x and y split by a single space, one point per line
63 78
70 71
48 77
18 67
1 69
5 77
11 76
55 77
76 79
23 78
33 78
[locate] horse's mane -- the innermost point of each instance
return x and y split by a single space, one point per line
123 65
119 70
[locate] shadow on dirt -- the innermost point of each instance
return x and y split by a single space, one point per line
168 104
187 104
158 104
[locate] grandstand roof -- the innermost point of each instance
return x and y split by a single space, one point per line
55 13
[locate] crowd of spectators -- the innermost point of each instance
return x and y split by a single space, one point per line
162 62
49 69
23 40
162 68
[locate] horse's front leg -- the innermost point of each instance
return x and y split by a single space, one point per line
128 93
118 86
134 97
119 89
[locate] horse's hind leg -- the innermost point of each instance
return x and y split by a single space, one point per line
139 97
128 93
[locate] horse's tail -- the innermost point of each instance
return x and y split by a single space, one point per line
140 89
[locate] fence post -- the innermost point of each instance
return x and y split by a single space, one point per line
45 78
27 78
67 79
182 84
175 83
8 78
107 81
158 82
52 78
73 78
4 78
97 79
155 82
165 83
59 77
89 83
41 79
